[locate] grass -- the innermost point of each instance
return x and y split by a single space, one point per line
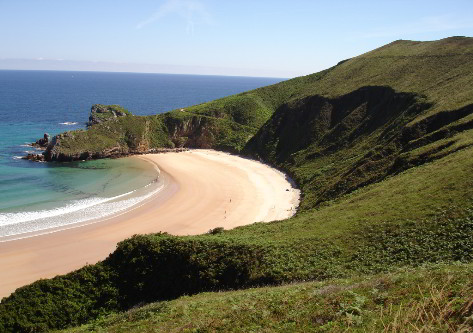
430 299
381 146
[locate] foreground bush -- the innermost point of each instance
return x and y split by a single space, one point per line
60 302
142 269
157 267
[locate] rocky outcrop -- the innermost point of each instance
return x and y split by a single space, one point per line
113 132
133 136
42 143
35 157
55 153
100 113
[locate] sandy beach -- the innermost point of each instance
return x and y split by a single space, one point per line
203 189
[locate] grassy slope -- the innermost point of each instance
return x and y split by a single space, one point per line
429 299
394 194
433 70
373 116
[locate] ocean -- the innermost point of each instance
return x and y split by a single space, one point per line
40 197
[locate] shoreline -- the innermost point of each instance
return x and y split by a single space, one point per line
125 196
75 225
203 189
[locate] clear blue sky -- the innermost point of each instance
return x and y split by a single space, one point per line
258 38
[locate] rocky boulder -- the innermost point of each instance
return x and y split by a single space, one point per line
34 157
43 142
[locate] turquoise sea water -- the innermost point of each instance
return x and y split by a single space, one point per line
40 196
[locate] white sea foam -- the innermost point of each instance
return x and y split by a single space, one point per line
78 211
68 123
26 145
17 157
74 206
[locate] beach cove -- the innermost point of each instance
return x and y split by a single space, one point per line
203 189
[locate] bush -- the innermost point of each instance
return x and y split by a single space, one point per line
66 300
158 267
142 269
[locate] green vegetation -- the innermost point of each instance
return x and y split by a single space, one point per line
101 113
59 302
117 136
430 299
382 148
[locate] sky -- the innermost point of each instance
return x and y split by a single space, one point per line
215 37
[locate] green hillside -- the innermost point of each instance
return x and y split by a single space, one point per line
381 146
433 299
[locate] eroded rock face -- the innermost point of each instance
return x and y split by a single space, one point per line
191 133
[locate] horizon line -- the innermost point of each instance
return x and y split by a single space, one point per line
131 72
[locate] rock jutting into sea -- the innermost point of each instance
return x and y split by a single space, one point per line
113 131
43 142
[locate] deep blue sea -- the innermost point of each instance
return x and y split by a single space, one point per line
37 197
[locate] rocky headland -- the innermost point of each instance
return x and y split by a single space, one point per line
113 131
